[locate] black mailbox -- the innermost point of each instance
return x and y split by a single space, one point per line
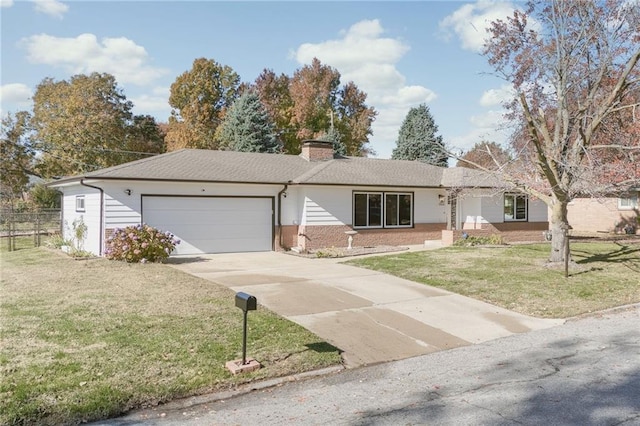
246 302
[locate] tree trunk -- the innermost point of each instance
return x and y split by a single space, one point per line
559 231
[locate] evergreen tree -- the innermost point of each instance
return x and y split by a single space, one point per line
334 136
248 128
417 139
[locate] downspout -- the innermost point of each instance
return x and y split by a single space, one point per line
284 189
101 211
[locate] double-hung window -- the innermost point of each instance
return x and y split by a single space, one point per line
382 209
515 207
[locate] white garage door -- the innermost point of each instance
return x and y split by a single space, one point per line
212 224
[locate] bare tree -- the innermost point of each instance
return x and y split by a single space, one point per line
574 70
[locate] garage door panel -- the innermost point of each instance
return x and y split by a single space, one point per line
213 224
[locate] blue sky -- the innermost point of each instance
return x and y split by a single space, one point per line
401 54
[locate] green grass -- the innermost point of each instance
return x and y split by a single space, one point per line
518 278
91 339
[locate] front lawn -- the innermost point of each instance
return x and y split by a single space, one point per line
515 277
91 339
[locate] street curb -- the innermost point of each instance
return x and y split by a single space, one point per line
242 389
604 312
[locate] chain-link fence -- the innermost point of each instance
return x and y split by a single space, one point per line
27 229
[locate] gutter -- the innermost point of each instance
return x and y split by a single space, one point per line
101 211
284 189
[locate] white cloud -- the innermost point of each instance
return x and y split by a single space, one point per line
363 55
493 97
6 3
16 93
52 8
471 21
121 57
13 97
155 103
488 126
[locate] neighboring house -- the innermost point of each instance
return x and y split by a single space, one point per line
609 214
224 201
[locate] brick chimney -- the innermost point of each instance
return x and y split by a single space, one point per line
314 150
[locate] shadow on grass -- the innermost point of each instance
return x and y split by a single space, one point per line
628 255
322 347
186 259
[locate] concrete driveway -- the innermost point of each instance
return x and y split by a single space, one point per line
371 316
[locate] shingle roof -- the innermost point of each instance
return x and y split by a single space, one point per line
229 166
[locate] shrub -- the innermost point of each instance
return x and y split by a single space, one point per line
491 240
140 243
329 252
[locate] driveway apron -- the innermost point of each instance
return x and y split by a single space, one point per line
371 316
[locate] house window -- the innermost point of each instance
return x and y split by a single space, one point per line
382 210
397 210
515 207
628 202
79 203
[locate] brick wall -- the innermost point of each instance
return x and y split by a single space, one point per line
314 237
511 232
597 215
317 150
289 237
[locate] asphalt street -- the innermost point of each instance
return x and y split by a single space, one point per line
584 372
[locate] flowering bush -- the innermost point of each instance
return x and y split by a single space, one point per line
140 243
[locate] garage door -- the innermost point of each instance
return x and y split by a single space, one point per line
213 224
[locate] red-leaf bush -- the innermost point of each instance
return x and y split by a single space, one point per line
140 243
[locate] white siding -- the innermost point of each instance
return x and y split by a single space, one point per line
325 205
90 217
538 211
470 208
123 210
493 208
427 207
333 205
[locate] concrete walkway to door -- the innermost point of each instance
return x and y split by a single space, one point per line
371 316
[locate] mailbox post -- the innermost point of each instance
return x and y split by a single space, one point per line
247 303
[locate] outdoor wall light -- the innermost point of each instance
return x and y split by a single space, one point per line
127 191
441 199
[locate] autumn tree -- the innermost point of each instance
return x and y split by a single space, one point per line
484 156
354 119
16 155
144 136
247 127
574 69
199 99
79 124
274 94
305 105
417 139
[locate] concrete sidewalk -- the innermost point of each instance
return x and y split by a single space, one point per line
372 317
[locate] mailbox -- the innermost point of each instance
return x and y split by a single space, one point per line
246 302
